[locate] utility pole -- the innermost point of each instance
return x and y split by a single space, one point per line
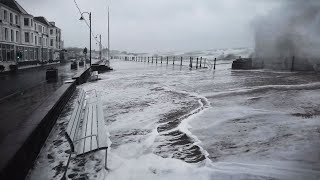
108 35
90 37
100 54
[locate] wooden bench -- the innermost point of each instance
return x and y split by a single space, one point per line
92 136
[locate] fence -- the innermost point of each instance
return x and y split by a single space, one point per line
192 62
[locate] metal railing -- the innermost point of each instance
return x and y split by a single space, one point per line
191 61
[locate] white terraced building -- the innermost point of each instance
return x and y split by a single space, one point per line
24 37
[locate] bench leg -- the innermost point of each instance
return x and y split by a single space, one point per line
64 177
105 162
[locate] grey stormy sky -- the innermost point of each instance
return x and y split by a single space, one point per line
156 25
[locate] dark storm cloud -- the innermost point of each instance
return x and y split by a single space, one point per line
157 25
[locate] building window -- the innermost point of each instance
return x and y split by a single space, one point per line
35 40
3 53
39 28
26 37
51 31
17 36
5 34
25 53
31 37
7 52
40 42
11 18
31 22
12 35
16 17
36 57
1 58
5 14
51 42
35 26
26 21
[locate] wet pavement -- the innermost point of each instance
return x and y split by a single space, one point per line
27 90
12 83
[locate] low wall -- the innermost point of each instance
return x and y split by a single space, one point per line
82 77
287 63
22 146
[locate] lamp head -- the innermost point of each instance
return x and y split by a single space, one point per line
81 18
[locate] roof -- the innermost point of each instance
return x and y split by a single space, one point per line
43 20
13 5
52 25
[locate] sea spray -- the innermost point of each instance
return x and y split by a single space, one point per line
291 30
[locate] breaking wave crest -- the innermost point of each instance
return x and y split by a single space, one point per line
174 139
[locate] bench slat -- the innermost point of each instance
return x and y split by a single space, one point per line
94 126
102 130
74 113
80 144
87 141
74 120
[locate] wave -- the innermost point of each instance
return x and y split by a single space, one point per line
175 140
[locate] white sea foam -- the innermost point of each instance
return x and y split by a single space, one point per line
240 91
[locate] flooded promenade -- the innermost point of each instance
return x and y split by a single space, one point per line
169 122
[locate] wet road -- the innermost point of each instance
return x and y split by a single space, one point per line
29 90
11 83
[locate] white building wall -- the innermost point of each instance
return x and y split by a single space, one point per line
17 28
9 23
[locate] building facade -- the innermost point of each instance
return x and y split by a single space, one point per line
24 37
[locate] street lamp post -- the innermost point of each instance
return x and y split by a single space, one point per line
81 18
